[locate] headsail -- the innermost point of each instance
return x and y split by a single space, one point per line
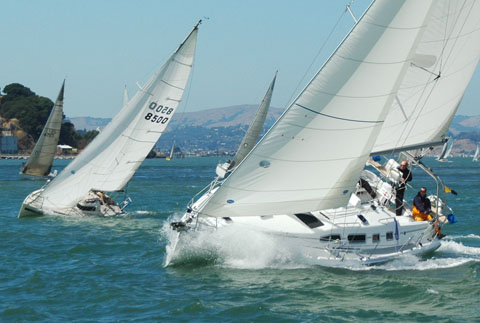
436 80
41 158
313 155
112 158
255 127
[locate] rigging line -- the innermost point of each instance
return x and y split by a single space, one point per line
316 56
441 61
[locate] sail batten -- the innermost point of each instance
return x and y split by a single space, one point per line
296 169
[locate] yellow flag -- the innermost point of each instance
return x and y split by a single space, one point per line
449 190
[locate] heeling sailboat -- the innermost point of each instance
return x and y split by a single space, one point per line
111 159
169 157
41 159
252 134
298 179
446 150
477 151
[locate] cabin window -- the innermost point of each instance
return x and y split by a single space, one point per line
309 220
355 238
86 208
389 235
227 219
376 237
332 237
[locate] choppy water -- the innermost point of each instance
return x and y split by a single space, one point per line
112 269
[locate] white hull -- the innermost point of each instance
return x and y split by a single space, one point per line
367 232
33 206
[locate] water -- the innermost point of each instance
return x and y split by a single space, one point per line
112 269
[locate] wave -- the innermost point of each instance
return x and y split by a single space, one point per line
468 236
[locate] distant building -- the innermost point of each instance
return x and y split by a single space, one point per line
64 149
9 145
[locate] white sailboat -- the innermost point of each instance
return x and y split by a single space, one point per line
446 150
170 156
252 134
111 159
475 156
41 159
297 183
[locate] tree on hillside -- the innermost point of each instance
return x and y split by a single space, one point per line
30 109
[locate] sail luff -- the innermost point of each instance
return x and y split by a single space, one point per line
313 155
255 127
112 158
41 158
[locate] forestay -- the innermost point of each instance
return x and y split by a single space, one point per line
255 127
313 155
41 158
112 158
436 80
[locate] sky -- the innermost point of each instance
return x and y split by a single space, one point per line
102 46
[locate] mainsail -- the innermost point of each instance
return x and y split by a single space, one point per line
312 157
255 127
41 158
475 156
112 158
436 80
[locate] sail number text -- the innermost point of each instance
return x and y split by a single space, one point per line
160 109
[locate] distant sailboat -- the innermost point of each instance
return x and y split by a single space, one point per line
300 183
41 159
252 134
475 156
170 157
446 150
112 158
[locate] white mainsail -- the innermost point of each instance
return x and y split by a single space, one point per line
436 80
477 151
313 155
255 127
112 158
41 158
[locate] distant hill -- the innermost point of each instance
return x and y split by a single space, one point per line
465 124
210 118
222 129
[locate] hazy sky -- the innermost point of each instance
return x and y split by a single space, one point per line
101 46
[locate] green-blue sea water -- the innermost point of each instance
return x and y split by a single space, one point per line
112 269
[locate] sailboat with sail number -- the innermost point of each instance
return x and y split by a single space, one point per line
111 159
40 161
393 85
